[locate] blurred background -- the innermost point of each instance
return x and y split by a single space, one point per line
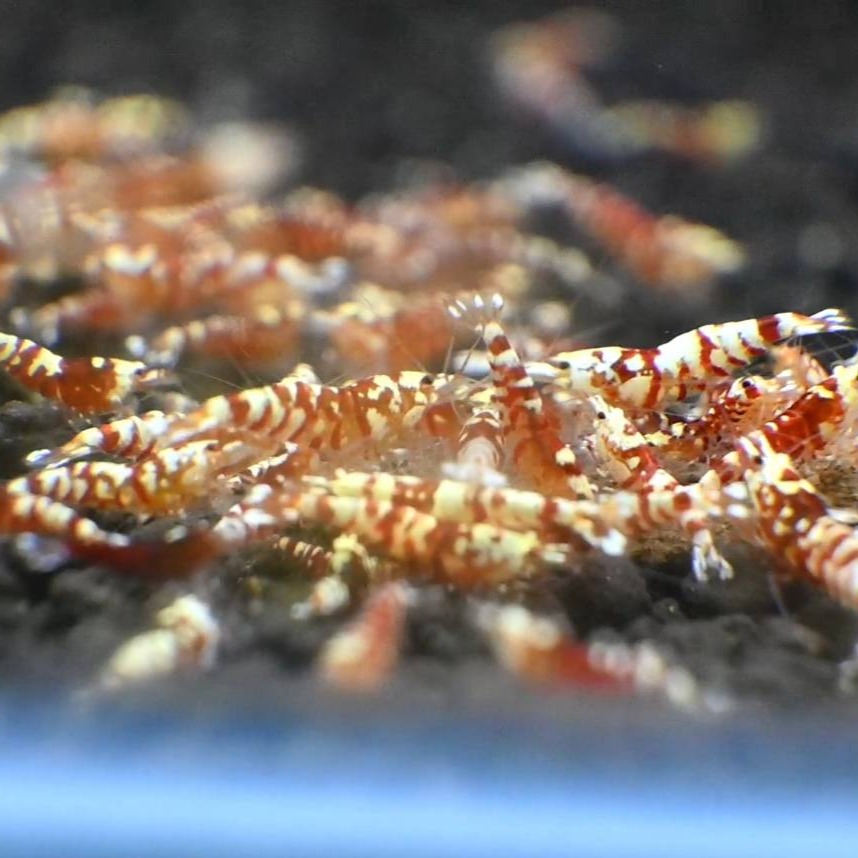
371 86
378 80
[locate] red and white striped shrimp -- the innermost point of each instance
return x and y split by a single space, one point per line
140 284
73 124
128 438
29 513
293 409
479 448
380 330
133 258
818 420
291 462
187 636
543 650
325 567
558 518
373 409
462 554
442 233
465 554
531 434
166 481
364 654
541 65
687 507
137 436
624 450
265 333
732 409
314 559
687 364
791 519
796 369
815 421
635 468
665 252
88 385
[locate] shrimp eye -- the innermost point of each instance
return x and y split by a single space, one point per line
562 364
